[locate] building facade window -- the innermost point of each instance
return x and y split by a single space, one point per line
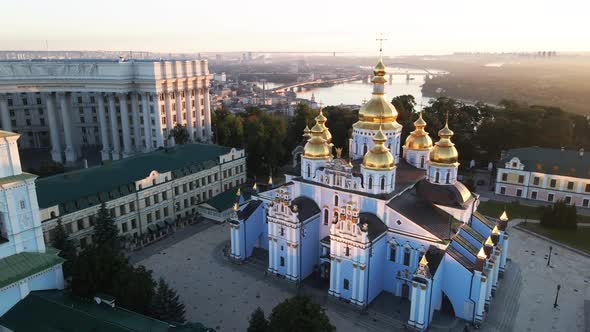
534 195
518 192
536 180
503 190
585 202
407 257
568 200
392 252
504 176
282 261
326 216
347 251
550 198
570 185
553 183
335 200
346 284
521 179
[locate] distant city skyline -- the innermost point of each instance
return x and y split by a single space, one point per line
433 27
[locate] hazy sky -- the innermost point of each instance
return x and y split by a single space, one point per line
412 26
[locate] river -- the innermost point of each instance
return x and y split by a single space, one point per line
355 92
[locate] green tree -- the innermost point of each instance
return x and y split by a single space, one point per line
180 134
299 314
560 215
106 232
61 241
258 322
340 123
100 269
405 105
166 305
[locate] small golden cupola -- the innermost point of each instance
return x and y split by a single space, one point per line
306 133
317 147
321 120
379 157
444 151
419 139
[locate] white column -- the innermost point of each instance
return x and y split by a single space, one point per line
4 113
189 114
270 255
295 254
53 129
355 287
127 151
421 310
361 294
135 115
114 127
337 288
70 151
207 110
147 123
169 125
199 119
178 101
104 129
333 275
158 122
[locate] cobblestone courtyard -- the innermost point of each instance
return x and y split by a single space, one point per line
222 295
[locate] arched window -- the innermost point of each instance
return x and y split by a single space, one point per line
365 149
448 177
356 148
422 162
382 183
326 216
370 182
335 200
407 257
308 171
437 177
392 181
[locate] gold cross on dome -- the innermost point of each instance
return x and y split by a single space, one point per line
381 38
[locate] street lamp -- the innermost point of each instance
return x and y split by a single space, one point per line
556 296
549 259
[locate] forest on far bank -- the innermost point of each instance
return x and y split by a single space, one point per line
559 81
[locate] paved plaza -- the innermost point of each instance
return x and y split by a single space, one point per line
222 295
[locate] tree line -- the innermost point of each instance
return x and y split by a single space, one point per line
482 131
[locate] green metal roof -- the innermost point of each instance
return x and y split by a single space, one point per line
551 161
15 178
57 311
79 189
226 199
19 266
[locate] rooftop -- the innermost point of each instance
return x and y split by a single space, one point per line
551 161
4 134
226 199
86 186
57 311
19 266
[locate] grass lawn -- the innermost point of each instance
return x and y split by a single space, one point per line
575 238
495 208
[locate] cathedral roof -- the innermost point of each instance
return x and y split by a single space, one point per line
376 227
247 211
306 207
422 212
452 195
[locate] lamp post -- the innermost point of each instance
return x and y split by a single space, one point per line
549 259
556 296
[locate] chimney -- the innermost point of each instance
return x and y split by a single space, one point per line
581 152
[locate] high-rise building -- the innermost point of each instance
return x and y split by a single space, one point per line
124 106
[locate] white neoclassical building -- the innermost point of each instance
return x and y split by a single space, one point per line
124 107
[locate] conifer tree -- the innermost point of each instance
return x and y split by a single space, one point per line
166 304
61 242
258 323
106 232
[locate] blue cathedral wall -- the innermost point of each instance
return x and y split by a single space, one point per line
51 279
456 285
256 232
376 275
311 247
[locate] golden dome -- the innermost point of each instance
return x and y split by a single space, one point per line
419 138
378 111
380 68
379 157
317 147
444 151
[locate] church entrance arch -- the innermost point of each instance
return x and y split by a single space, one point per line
446 306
